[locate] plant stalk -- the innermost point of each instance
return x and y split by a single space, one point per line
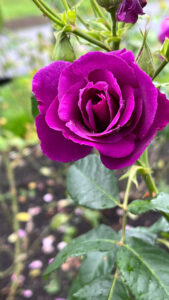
116 44
17 265
160 68
88 38
116 275
65 4
99 13
76 31
47 12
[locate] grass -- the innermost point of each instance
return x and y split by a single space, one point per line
15 9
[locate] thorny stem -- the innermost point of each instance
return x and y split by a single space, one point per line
116 275
12 187
76 31
160 68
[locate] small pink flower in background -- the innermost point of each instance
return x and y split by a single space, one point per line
47 244
21 233
34 211
27 293
60 299
36 264
164 30
48 197
61 245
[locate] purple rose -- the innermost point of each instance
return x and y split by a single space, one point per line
129 10
101 100
164 30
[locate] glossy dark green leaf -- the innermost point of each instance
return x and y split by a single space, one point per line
145 270
92 185
95 265
99 289
101 239
160 203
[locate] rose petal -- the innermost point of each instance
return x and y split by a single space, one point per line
120 149
148 93
45 83
55 146
81 68
68 105
128 97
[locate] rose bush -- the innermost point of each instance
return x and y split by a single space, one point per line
164 30
129 10
101 100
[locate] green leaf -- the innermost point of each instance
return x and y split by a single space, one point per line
101 239
145 270
160 203
160 226
96 264
99 289
142 233
34 104
92 185
164 51
145 59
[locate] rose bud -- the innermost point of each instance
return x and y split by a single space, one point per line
108 4
164 30
101 100
129 10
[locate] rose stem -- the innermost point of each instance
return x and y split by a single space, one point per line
116 275
76 31
125 209
99 13
12 187
87 37
160 68
47 12
65 4
150 182
116 44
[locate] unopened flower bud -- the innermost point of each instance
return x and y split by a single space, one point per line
109 4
